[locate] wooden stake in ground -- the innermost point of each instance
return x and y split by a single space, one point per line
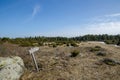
31 51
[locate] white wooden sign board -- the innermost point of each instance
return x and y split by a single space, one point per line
31 51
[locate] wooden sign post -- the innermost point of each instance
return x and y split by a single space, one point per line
31 51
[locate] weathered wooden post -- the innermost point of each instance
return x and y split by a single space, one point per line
31 51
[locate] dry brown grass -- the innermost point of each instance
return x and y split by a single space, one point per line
56 63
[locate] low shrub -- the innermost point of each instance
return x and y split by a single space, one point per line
96 48
67 44
111 41
26 44
54 45
109 61
60 79
40 43
118 43
74 44
101 54
74 53
4 39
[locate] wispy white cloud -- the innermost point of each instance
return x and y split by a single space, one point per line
99 25
36 9
111 28
108 24
103 28
106 18
113 15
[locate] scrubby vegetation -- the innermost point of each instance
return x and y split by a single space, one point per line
74 53
58 62
109 61
118 42
38 41
96 48
101 54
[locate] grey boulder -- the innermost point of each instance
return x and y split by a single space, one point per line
11 68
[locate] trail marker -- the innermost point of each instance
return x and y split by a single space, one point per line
31 51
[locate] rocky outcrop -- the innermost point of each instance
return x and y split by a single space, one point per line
11 68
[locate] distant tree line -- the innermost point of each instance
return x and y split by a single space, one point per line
109 39
39 41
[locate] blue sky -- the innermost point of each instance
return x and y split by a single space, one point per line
21 18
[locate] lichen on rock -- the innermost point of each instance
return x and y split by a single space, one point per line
11 68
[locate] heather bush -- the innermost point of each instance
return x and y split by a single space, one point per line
74 53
